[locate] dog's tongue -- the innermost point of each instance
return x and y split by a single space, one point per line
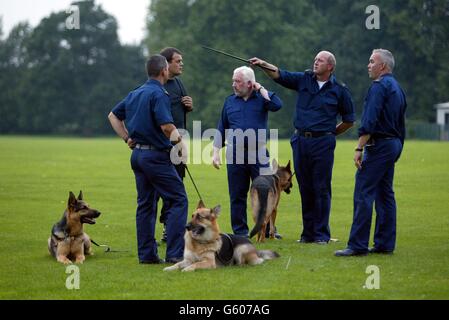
89 220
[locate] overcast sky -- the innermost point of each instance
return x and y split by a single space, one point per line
130 14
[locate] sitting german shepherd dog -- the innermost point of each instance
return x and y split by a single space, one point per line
265 194
68 241
207 248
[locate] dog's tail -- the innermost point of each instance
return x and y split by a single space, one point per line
267 254
262 194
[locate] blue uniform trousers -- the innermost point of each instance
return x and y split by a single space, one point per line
313 160
155 174
374 184
239 178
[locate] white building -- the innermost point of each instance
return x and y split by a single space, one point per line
443 119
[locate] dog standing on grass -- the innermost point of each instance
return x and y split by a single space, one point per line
68 241
207 248
265 195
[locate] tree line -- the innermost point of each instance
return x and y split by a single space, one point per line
56 80
59 81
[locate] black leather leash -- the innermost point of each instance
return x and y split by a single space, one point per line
191 178
107 248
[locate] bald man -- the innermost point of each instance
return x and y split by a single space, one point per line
321 102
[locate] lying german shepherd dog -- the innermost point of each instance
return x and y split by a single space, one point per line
265 195
207 248
68 241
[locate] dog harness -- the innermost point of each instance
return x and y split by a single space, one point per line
228 242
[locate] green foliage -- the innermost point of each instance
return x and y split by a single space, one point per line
38 173
66 81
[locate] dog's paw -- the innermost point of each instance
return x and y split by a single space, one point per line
188 269
172 268
80 260
64 260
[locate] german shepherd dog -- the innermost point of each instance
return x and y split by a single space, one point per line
68 241
265 195
207 248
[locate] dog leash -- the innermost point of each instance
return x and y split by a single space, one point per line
107 248
193 182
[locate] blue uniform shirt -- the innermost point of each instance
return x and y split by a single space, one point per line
144 110
317 109
250 114
384 109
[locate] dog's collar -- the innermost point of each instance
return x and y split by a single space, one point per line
67 235
207 242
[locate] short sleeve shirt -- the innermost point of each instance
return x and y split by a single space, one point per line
144 110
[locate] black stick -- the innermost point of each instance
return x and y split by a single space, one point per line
235 57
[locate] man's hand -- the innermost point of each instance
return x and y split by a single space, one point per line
179 153
188 103
358 159
184 152
264 92
259 62
257 86
131 143
216 161
363 140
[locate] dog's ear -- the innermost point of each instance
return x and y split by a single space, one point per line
216 210
80 196
288 166
72 200
200 205
275 165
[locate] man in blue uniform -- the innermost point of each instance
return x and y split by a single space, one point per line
181 104
149 131
321 100
243 123
381 136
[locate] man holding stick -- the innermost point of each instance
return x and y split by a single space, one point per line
321 100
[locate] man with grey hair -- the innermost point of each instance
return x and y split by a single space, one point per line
245 113
381 139
321 101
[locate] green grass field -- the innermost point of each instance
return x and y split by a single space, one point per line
37 173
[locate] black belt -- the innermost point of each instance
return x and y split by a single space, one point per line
382 136
313 134
372 140
150 147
